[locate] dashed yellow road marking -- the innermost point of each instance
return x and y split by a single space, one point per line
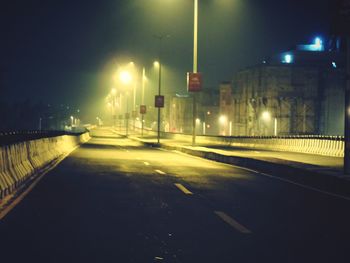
229 220
184 189
160 172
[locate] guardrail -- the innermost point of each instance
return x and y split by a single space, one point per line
311 144
21 160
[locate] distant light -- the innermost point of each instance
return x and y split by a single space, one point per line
264 62
198 121
334 64
318 43
125 77
266 116
208 113
223 119
288 58
156 64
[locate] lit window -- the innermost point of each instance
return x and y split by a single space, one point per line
288 58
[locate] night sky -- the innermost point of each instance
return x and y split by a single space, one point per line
65 52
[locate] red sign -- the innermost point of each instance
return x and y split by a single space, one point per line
143 109
194 82
159 101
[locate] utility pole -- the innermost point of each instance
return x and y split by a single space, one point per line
195 69
159 103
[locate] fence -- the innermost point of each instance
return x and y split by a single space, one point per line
311 144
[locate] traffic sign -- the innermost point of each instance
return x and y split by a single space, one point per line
341 17
143 109
159 101
194 82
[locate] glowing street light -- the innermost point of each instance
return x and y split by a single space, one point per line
125 77
223 119
266 116
156 64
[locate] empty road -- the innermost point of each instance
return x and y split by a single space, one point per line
114 200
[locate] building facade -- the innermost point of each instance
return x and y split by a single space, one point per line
295 92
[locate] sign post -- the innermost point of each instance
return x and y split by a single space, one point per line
143 110
194 85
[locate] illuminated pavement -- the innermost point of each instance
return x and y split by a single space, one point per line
113 200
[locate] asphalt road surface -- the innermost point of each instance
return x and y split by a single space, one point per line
114 200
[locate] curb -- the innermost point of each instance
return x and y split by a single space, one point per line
320 180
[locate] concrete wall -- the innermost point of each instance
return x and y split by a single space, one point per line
20 161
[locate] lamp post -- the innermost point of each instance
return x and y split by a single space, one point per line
114 105
126 78
195 68
160 38
143 98
159 92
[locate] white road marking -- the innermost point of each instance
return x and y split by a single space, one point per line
270 176
184 189
160 172
229 220
146 163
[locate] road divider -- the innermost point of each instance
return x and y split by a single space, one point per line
21 161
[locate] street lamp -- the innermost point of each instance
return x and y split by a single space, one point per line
126 78
195 68
113 104
159 65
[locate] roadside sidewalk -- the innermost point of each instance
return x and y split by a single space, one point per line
323 172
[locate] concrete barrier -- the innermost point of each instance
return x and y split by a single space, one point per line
20 161
321 145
